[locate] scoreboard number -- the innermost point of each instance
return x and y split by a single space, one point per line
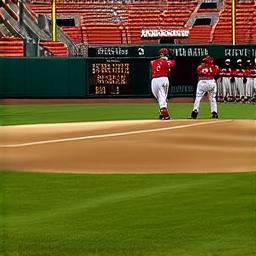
100 90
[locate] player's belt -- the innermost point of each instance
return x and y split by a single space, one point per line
205 78
158 76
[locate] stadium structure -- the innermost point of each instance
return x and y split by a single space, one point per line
28 28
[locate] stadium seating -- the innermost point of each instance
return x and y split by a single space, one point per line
124 22
14 47
76 34
245 23
154 16
55 48
199 34
11 46
98 23
119 22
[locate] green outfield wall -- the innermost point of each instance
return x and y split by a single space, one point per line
43 77
113 71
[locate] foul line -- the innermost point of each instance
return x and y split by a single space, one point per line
108 135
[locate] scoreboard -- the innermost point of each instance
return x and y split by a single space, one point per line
132 77
108 78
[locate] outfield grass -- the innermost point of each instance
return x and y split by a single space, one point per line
114 215
125 215
27 114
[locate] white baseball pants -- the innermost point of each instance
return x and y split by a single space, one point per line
226 86
254 87
220 88
240 86
249 87
210 87
160 87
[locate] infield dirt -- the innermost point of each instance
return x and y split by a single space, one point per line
145 146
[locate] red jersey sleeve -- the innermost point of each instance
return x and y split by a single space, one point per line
171 64
199 70
216 70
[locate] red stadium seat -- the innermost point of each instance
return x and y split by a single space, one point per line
55 48
105 22
11 46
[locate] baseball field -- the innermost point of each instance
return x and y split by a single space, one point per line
112 179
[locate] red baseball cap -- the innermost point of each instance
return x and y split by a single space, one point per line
208 59
164 51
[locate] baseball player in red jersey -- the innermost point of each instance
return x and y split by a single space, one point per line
160 70
207 72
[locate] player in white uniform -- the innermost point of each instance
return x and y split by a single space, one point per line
207 72
248 81
254 81
238 73
225 84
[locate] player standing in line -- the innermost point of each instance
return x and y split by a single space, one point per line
248 80
160 69
225 74
207 72
254 81
238 73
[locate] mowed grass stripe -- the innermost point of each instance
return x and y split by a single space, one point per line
168 214
35 114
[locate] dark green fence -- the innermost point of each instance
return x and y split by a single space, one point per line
108 72
43 78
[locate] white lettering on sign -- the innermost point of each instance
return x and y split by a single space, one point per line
189 52
242 52
159 33
112 51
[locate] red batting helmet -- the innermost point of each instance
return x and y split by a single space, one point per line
208 59
164 51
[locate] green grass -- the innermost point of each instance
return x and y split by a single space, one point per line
125 215
29 114
142 215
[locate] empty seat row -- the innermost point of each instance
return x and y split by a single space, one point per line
55 48
11 46
245 13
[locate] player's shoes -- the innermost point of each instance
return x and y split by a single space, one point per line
194 114
164 114
215 115
164 117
